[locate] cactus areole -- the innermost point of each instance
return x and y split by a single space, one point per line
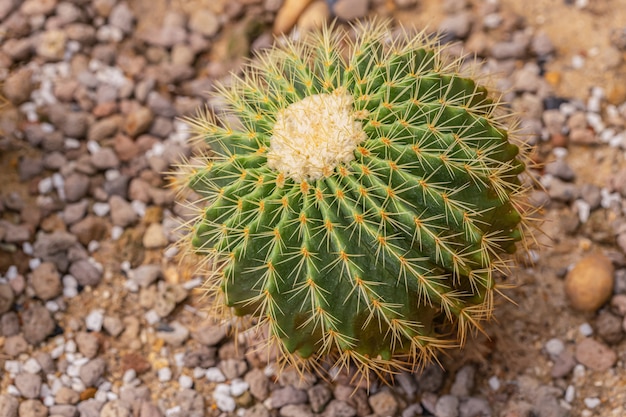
359 196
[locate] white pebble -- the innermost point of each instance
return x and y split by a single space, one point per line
27 248
57 352
111 396
570 393
111 174
198 372
52 306
45 185
12 389
215 375
48 400
152 317
33 263
222 398
238 387
594 104
585 329
170 252
69 281
173 411
73 370
78 385
101 396
139 207
584 210
592 402
94 320
116 232
93 146
93 246
179 359
131 286
578 62
193 283
12 272
13 367
185 381
164 374
71 143
494 383
101 209
129 375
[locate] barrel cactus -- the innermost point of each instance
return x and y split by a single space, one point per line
359 193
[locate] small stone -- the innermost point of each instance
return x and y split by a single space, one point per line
113 325
29 385
300 410
33 408
14 345
383 403
457 25
351 9
66 395
595 355
104 158
38 7
146 275
463 382
288 395
154 237
233 368
46 281
76 186
204 22
115 408
447 406
431 378
338 408
319 395
609 327
104 128
51 45
138 121
86 273
560 169
87 344
122 212
175 335
92 371
37 323
8 405
6 298
122 17
18 86
474 407
589 284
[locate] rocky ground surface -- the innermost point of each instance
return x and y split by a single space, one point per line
98 319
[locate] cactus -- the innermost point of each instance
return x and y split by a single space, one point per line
359 195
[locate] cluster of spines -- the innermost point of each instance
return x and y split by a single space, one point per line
433 196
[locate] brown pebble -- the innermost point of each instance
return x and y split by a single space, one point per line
595 355
590 283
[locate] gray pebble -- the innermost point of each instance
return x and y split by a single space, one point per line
63 410
90 408
592 195
168 296
288 395
76 186
85 273
293 410
33 408
176 334
191 403
475 407
609 327
28 384
92 371
562 191
14 345
233 368
104 128
29 168
563 364
146 275
413 410
515 48
210 334
457 25
122 17
561 170
463 382
74 212
46 281
447 406
431 378
8 405
541 44
75 124
87 344
45 361
9 322
338 408
319 395
257 410
37 323
6 298
115 408
104 158
15 233
66 395
204 22
383 403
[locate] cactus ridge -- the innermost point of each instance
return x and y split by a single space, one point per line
374 261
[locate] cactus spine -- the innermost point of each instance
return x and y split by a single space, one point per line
358 206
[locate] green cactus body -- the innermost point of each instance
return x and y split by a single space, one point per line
361 205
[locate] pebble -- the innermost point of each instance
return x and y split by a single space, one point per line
6 298
87 344
33 408
122 212
319 395
589 284
474 407
146 275
94 320
595 355
92 371
8 405
37 323
463 382
210 334
383 403
176 334
350 9
18 86
609 327
287 395
154 237
29 385
554 347
338 408
115 408
46 281
86 273
447 406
